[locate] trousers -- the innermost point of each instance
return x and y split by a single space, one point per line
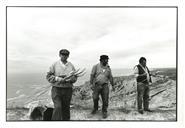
102 90
142 96
61 98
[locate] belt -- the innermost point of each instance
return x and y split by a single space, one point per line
101 84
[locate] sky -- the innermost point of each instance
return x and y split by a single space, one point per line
35 36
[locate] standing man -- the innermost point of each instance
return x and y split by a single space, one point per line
100 77
61 92
143 78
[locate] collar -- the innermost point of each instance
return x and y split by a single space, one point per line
63 63
103 66
142 66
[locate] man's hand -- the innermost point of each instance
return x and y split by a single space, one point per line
144 74
60 79
154 74
113 88
92 87
72 79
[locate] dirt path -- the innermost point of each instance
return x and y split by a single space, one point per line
121 114
125 115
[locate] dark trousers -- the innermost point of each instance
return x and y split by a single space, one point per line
102 90
142 96
61 98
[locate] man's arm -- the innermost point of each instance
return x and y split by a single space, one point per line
91 79
92 76
150 79
136 72
111 78
51 76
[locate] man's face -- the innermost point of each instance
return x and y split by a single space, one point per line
143 63
64 57
104 62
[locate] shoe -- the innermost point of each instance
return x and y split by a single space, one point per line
104 115
140 111
93 112
148 110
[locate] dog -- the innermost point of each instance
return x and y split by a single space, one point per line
41 113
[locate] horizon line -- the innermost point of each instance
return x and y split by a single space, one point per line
90 70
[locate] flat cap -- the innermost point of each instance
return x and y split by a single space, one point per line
64 52
102 57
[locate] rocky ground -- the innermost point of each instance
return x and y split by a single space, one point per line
122 102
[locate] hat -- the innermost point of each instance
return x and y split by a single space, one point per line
102 57
64 52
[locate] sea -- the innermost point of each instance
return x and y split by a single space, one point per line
22 87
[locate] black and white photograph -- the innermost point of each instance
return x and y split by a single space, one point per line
90 63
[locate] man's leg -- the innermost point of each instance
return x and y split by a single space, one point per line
146 98
57 111
105 99
96 92
66 100
140 93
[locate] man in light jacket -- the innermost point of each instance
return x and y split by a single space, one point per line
61 92
100 77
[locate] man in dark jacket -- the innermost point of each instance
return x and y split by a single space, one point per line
101 75
143 78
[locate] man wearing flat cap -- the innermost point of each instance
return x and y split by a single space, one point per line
100 77
61 92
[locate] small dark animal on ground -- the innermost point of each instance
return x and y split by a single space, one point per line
41 113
